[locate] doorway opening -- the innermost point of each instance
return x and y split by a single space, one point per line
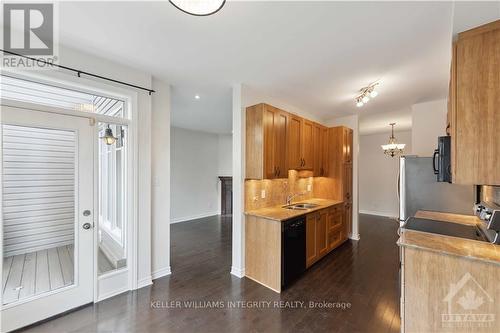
201 180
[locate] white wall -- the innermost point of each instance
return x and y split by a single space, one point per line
428 122
196 163
352 122
160 171
225 149
378 174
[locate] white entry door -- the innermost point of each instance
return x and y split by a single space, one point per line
47 215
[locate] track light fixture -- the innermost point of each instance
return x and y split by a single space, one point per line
365 94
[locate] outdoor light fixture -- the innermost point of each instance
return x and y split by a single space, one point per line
198 7
393 148
365 94
108 137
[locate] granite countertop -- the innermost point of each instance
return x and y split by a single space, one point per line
469 249
278 213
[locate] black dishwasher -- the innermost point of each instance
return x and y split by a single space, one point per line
293 250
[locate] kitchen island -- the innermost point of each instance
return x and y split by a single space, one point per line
448 284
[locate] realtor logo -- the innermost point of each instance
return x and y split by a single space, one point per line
30 31
468 305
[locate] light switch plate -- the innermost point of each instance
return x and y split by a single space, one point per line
263 194
309 187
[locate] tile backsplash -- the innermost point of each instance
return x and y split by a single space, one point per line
490 193
277 190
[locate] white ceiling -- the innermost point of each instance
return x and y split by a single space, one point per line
315 56
379 122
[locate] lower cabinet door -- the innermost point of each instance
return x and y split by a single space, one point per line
311 249
322 234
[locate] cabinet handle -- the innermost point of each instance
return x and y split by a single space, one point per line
275 172
279 171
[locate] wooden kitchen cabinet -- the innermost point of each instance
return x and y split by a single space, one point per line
266 142
473 106
347 182
294 142
347 220
300 143
320 147
306 144
324 232
311 248
335 227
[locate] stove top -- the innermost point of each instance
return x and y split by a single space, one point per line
445 228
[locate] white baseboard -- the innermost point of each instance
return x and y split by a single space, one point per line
384 214
193 217
238 272
112 293
354 237
144 282
161 273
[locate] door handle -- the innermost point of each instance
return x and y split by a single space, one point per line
86 226
436 153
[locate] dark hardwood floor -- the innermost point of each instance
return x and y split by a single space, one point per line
363 273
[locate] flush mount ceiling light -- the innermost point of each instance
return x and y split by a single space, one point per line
108 137
365 94
197 96
198 7
393 148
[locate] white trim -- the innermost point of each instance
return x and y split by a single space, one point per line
144 282
131 118
111 294
73 113
238 272
384 214
193 217
161 273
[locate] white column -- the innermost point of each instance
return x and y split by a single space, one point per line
160 174
238 254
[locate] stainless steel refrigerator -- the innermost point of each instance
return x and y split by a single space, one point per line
418 189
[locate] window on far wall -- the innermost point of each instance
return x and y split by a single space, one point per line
111 183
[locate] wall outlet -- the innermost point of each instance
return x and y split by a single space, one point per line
263 194
309 187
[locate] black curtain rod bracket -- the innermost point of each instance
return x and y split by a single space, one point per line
80 72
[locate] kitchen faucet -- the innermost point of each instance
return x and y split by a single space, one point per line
290 197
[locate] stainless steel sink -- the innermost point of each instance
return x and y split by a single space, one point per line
301 206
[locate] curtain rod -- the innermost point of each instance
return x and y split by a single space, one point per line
80 72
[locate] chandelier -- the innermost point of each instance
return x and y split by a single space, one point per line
393 148
365 94
198 7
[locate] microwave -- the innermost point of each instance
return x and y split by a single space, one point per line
441 161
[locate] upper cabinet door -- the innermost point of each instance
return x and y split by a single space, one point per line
270 124
324 156
347 145
475 120
307 144
317 147
280 147
295 160
266 142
